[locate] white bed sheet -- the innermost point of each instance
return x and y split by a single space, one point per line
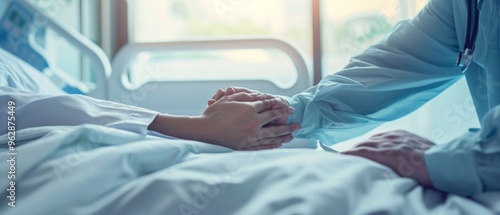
98 170
18 74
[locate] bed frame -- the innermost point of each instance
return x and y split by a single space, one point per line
176 97
189 97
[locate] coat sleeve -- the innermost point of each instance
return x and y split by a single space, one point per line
409 67
470 164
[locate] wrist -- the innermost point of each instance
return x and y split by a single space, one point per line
200 128
183 127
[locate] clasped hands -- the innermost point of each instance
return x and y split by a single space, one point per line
236 118
249 120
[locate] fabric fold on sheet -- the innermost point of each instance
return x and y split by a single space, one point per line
66 160
92 169
34 110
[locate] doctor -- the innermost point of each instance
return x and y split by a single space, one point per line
238 121
413 64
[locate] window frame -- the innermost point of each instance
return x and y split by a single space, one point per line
120 12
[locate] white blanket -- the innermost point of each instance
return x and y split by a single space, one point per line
98 170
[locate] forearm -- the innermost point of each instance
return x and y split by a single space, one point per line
183 127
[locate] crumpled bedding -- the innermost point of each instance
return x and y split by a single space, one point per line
93 169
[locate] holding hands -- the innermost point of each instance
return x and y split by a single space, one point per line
239 119
246 114
282 120
273 130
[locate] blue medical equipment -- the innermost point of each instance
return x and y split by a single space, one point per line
22 25
17 26
465 57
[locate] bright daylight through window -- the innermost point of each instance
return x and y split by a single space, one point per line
348 28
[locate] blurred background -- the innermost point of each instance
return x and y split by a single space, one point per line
346 29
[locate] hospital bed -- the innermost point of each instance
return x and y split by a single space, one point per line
91 169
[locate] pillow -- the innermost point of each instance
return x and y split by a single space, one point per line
18 74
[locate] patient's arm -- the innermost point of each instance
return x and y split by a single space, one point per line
235 121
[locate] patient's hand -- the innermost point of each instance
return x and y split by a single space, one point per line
401 151
239 119
232 90
235 121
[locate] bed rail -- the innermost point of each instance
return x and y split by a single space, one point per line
189 97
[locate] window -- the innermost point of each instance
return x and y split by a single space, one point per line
166 20
78 15
348 27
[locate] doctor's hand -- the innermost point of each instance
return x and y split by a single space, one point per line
232 90
401 151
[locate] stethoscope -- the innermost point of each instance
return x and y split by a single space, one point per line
465 57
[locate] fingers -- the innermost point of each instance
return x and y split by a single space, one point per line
230 91
265 102
246 97
260 101
277 131
211 102
219 94
244 90
216 97
366 152
264 105
270 115
280 103
272 141
273 137
256 148
367 143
